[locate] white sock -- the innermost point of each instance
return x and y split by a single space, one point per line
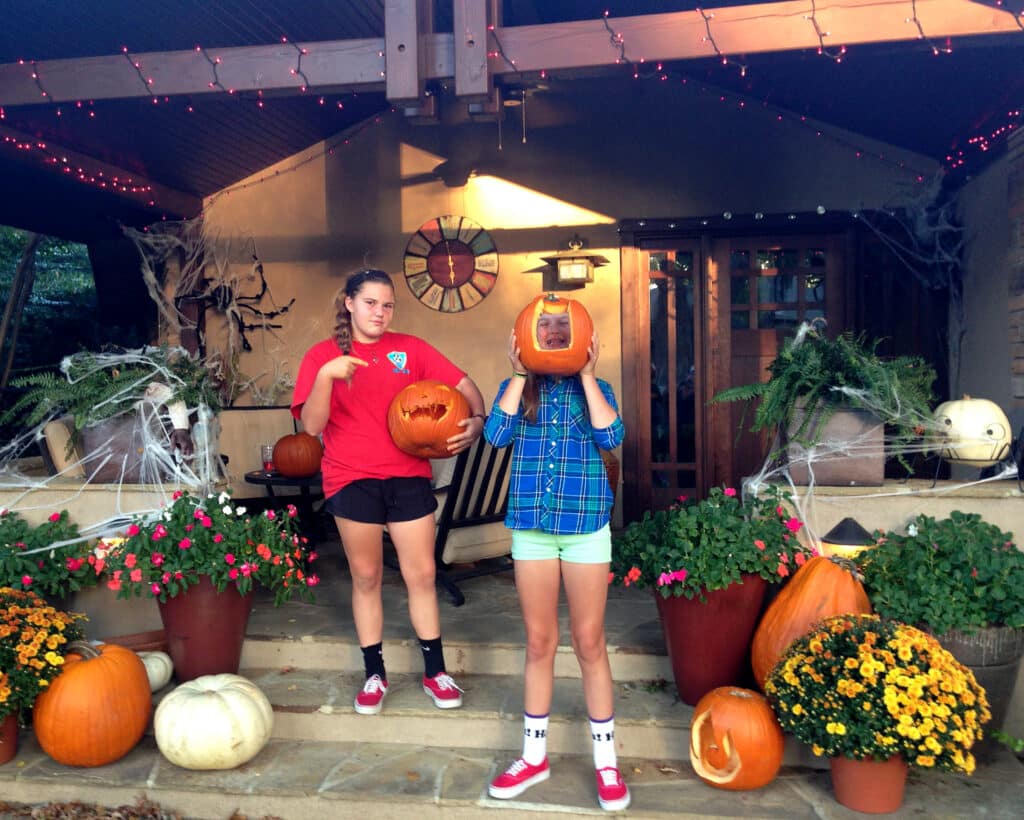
535 738
603 734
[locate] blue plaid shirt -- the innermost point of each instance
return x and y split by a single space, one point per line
558 482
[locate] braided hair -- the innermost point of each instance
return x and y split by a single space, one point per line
343 319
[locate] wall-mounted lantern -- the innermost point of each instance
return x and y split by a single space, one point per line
575 266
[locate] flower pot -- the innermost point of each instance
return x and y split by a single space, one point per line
869 786
850 450
993 655
205 629
8 737
708 641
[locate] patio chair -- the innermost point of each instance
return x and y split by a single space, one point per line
471 539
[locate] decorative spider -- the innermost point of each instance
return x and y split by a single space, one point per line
221 296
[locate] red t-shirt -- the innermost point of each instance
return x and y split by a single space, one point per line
357 443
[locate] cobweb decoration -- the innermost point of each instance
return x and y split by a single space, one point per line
154 450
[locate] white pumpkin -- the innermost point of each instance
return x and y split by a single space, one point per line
213 722
159 668
974 432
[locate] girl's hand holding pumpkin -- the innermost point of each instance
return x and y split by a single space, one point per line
470 433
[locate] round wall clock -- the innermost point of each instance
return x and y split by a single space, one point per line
451 264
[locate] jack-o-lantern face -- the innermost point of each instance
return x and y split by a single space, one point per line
974 432
424 415
553 334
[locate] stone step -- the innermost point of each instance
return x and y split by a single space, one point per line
304 780
628 663
316 704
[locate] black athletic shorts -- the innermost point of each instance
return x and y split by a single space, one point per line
383 500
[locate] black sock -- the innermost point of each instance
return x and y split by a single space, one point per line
373 660
433 657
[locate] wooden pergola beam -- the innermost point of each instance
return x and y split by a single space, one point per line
101 175
349 64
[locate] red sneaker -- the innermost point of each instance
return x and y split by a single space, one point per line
517 778
371 698
444 691
612 793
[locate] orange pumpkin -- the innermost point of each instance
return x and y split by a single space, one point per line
822 587
736 742
298 455
563 361
96 709
424 415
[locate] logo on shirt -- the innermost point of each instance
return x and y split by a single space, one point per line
398 358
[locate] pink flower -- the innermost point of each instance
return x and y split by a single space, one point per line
136 575
165 578
759 544
114 584
233 573
176 495
206 522
130 559
155 589
730 491
292 511
157 558
801 559
184 543
784 558
189 527
218 538
55 517
783 570
679 575
26 581
246 569
271 515
664 579
974 572
794 524
312 556
198 514
132 530
779 511
312 580
229 559
160 531
611 577
73 564
681 499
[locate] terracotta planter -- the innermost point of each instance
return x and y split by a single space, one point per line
8 737
869 786
994 656
205 629
709 642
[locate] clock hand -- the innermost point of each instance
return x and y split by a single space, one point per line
451 263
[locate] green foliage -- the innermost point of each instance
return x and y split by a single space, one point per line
92 389
955 573
57 571
821 375
709 544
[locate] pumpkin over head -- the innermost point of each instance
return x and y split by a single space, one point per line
424 415
553 334
974 432
298 455
736 742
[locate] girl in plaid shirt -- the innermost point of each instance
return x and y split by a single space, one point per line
559 509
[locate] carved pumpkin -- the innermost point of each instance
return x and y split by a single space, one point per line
974 432
424 415
298 455
213 722
819 589
159 668
96 709
565 360
736 742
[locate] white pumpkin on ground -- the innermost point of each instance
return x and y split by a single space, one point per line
974 432
213 722
159 668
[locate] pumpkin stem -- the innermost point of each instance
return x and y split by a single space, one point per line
83 648
845 563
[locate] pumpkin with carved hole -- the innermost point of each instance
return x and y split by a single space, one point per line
96 709
822 587
559 347
736 742
424 415
298 455
974 432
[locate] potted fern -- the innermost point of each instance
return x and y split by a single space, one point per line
838 406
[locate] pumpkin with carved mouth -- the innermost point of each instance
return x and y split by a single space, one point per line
424 415
736 742
553 334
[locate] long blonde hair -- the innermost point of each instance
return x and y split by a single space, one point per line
343 319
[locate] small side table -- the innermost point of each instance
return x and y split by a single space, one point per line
311 525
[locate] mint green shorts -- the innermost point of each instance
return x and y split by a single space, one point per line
587 548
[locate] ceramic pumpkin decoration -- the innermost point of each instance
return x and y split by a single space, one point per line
213 722
159 668
96 709
298 455
424 415
553 334
975 432
736 742
822 587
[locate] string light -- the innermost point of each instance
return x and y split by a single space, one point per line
146 81
214 62
832 55
297 71
710 38
936 50
501 50
36 78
